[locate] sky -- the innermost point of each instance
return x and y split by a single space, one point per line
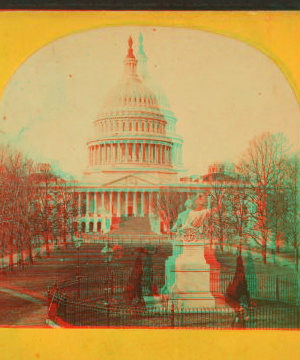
223 93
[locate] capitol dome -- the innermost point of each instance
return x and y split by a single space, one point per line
136 128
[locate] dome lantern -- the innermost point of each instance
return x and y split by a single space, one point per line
142 59
130 61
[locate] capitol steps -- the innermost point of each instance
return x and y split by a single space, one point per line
133 226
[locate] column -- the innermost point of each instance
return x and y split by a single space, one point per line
87 204
79 204
118 151
95 212
171 155
87 225
139 152
126 203
108 153
95 204
119 204
180 154
151 203
143 151
150 152
111 203
134 203
142 203
126 151
160 154
134 151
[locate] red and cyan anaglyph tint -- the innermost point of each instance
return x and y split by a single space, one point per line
136 242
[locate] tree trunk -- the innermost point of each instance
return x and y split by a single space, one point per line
19 256
55 243
264 253
22 255
65 238
297 257
30 257
11 255
47 243
38 248
2 253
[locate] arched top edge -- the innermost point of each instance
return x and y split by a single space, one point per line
142 23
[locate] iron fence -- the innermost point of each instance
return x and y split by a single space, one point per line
265 317
88 301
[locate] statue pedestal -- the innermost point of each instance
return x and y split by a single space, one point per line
193 277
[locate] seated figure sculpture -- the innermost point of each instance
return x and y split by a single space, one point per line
183 216
197 218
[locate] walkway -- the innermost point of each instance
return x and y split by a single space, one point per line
22 309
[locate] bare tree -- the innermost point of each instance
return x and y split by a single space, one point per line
291 205
170 203
263 167
219 222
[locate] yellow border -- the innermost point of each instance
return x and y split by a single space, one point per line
275 34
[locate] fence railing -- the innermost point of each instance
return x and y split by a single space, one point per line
271 287
87 301
265 317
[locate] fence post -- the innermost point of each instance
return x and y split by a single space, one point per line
172 316
78 287
277 287
108 314
87 286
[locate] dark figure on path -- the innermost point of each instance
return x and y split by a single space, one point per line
238 296
134 288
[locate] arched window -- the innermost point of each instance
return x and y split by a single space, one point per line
143 126
137 126
123 125
130 126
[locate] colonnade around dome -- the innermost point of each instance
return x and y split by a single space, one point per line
136 151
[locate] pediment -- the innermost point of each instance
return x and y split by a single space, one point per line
130 180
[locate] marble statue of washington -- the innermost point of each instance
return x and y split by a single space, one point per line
197 218
183 216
